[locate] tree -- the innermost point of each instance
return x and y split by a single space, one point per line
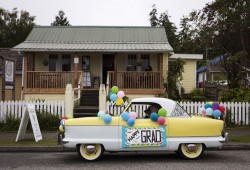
60 20
169 26
175 70
14 27
153 17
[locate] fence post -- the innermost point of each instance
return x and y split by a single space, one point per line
69 101
102 97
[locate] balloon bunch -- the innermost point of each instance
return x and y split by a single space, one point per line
213 109
159 117
129 117
62 121
116 96
104 116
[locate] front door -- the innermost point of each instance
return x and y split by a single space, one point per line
108 65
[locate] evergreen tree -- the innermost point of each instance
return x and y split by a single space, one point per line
60 20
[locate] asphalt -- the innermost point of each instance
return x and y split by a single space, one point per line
61 148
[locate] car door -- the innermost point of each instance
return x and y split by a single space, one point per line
145 134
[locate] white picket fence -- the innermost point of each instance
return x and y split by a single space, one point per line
239 111
15 108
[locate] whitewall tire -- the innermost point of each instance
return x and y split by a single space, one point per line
90 152
191 151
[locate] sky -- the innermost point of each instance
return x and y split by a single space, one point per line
104 12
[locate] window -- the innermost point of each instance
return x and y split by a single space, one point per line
66 62
132 59
179 112
145 61
53 59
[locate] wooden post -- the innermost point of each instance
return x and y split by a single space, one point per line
76 62
161 69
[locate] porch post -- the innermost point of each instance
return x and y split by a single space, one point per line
161 70
25 74
76 62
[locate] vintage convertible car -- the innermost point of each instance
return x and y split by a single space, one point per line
188 135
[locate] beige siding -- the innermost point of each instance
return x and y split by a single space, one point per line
189 76
18 89
39 58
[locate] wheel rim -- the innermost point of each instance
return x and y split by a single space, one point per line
94 154
192 153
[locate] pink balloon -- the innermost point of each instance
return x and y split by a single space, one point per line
161 120
120 94
133 115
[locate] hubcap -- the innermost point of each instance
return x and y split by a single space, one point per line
90 149
191 147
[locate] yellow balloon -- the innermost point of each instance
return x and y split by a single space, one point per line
119 101
210 103
61 128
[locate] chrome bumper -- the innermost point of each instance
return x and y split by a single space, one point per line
225 138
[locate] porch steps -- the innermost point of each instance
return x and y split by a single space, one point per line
89 104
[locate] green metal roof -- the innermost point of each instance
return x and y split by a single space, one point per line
95 38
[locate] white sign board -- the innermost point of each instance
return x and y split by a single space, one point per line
29 113
9 71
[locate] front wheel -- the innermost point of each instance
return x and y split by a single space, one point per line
90 152
191 151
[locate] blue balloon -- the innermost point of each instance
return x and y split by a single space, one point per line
107 118
125 116
62 122
113 97
209 111
216 113
154 116
208 105
100 114
110 93
131 121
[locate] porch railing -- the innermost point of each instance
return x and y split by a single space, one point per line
45 80
135 80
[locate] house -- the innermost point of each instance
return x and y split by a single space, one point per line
189 75
6 53
58 55
215 70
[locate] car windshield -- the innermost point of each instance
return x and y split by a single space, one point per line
179 112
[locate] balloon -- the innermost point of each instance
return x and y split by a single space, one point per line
114 89
125 116
131 121
119 101
208 105
216 113
101 114
222 109
120 94
69 116
64 117
113 97
161 120
215 105
110 93
209 111
133 115
162 112
107 118
62 122
154 116
61 128
201 110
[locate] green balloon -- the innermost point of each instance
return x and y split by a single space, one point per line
114 89
162 112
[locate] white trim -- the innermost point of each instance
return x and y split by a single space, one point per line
188 56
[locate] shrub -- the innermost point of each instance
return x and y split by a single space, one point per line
235 95
197 95
46 121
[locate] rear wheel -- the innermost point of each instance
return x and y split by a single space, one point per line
90 152
191 151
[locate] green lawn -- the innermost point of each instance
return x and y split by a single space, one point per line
28 142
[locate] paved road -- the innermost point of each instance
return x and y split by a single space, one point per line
145 161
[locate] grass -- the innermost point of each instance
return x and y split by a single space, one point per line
28 142
239 138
